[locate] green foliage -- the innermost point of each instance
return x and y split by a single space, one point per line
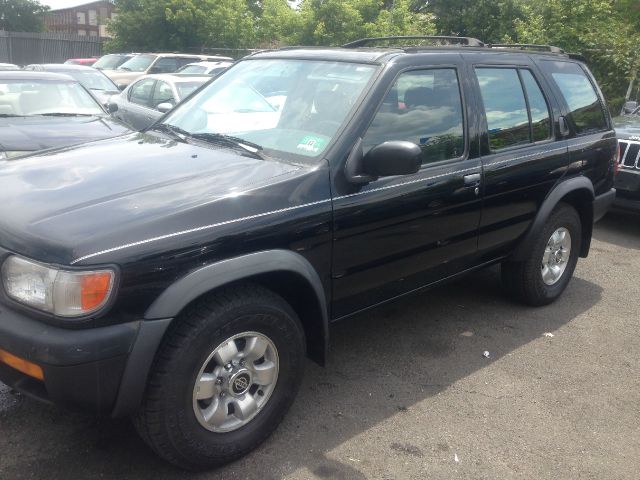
488 20
21 15
155 25
607 32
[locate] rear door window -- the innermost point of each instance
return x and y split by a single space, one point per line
585 109
516 110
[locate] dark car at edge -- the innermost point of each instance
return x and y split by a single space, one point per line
627 182
181 275
40 110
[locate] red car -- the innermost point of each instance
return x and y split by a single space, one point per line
81 61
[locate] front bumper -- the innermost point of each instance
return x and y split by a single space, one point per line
628 186
94 369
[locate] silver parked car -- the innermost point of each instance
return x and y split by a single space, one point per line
147 99
150 63
213 69
94 80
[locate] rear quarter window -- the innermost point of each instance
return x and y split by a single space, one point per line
585 108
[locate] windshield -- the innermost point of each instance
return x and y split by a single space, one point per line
192 69
139 63
92 80
44 97
186 88
293 107
110 62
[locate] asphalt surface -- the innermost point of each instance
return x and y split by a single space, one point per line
408 393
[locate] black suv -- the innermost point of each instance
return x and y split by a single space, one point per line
627 181
181 275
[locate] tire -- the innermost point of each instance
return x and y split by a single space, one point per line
525 281
172 419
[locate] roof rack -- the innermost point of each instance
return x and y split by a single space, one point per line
527 46
436 40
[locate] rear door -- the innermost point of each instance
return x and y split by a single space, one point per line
524 155
591 139
397 234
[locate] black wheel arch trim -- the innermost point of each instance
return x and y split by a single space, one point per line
563 189
196 283
177 296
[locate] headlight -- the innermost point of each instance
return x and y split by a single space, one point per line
12 154
63 293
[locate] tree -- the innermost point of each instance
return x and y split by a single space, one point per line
600 29
155 25
21 15
488 20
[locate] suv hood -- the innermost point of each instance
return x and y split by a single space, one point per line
60 205
26 134
122 77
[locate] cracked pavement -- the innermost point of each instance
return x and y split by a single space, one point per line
408 394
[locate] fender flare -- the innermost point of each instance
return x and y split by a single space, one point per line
170 303
182 292
554 197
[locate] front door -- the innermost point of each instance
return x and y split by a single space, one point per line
396 234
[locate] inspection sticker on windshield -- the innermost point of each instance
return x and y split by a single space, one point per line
312 144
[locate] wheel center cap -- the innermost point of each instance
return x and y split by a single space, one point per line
240 382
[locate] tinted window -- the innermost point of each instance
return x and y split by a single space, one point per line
505 107
141 92
584 105
423 107
540 117
138 63
165 65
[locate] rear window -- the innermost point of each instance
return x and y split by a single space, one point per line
585 109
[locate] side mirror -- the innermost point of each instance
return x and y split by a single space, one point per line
121 86
112 107
164 107
384 160
629 107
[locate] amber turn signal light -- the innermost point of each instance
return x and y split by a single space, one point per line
21 365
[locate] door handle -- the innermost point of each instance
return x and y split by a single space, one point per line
472 179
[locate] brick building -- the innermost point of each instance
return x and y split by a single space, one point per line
83 19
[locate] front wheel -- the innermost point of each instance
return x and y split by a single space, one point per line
541 279
223 378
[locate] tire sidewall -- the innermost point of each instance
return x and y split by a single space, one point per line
284 331
568 218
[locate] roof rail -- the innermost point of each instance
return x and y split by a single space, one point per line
436 40
527 46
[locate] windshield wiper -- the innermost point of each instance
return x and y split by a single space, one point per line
231 141
175 132
9 115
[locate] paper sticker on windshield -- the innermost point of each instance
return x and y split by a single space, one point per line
312 144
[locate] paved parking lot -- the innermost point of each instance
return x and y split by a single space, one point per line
408 393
